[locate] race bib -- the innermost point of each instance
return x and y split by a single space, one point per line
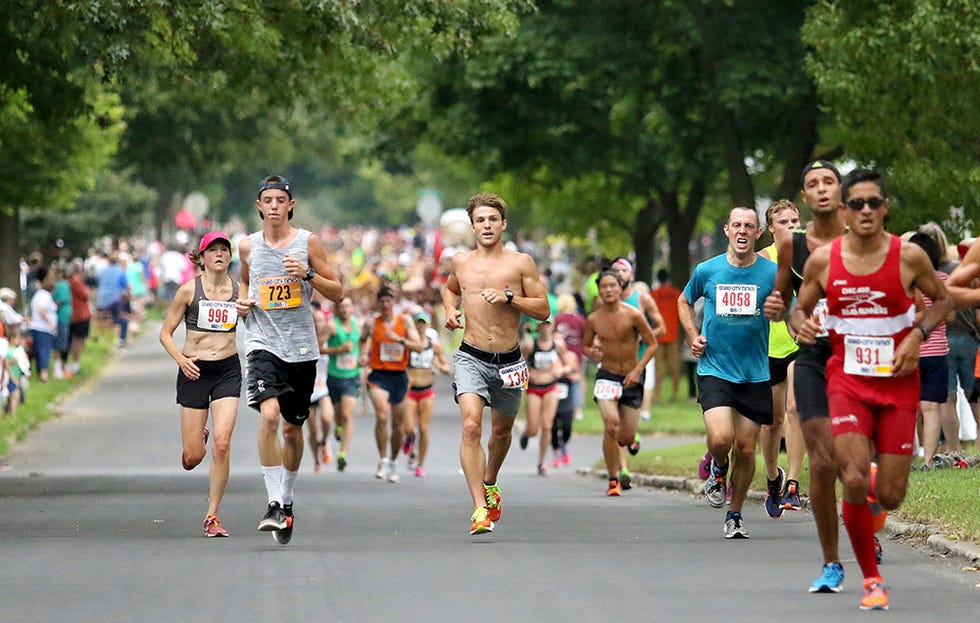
820 309
606 389
733 299
422 360
346 361
392 351
514 376
280 292
868 356
562 391
543 360
216 315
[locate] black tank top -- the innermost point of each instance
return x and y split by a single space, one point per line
191 313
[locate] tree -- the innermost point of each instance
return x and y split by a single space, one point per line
901 80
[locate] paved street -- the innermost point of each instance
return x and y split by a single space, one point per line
101 523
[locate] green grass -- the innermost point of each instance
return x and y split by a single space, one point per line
43 398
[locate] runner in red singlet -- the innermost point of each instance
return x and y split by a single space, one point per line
868 277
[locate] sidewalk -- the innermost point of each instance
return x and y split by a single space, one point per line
936 541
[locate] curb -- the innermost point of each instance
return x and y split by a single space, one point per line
942 544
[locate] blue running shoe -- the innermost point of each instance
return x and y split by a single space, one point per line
774 494
832 580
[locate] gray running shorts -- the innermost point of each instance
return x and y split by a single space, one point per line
474 376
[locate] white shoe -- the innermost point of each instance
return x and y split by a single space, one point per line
392 473
644 415
382 472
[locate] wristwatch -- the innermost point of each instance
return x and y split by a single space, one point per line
925 334
510 295
309 273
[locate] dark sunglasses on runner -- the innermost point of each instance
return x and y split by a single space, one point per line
858 204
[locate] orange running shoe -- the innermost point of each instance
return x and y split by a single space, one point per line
875 594
481 521
494 507
325 456
615 489
878 514
212 527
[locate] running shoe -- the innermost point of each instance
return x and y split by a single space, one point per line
411 462
419 471
338 430
878 551
715 487
625 479
393 473
615 487
734 528
523 442
382 471
566 457
407 443
556 462
274 518
634 447
286 534
481 523
875 594
341 461
494 507
704 466
790 500
542 470
774 495
325 456
212 527
831 580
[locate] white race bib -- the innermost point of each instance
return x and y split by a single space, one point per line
868 356
735 299
422 360
514 376
392 351
216 315
346 361
562 391
820 309
606 389
544 359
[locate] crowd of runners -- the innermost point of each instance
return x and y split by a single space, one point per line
813 343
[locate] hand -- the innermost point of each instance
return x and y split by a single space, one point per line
807 333
907 355
244 306
454 319
773 308
494 296
632 378
189 368
294 268
698 346
347 346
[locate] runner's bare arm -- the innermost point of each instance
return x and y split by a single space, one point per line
452 296
325 281
243 304
801 320
533 301
961 283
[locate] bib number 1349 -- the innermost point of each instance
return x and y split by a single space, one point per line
514 376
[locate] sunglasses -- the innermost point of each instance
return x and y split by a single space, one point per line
858 204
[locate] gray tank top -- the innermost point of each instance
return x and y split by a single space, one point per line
281 322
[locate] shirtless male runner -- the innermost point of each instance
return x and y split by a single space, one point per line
495 286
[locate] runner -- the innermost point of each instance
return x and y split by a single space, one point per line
820 190
782 493
868 277
546 353
321 407
421 393
344 373
280 267
386 339
641 300
209 374
561 429
733 371
495 285
612 336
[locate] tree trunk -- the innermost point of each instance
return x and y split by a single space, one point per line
10 251
799 145
680 228
648 221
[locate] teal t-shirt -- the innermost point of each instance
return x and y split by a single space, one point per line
62 296
736 330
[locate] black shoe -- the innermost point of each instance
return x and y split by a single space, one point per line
523 442
283 536
274 518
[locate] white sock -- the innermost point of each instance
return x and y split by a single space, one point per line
288 484
273 482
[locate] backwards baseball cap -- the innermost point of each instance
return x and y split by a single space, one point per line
423 316
210 237
819 164
276 182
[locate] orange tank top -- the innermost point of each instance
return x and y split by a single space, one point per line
387 354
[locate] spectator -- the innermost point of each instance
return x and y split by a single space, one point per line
668 355
18 369
9 316
113 291
81 315
44 321
62 297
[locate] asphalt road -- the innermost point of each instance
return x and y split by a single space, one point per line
100 523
